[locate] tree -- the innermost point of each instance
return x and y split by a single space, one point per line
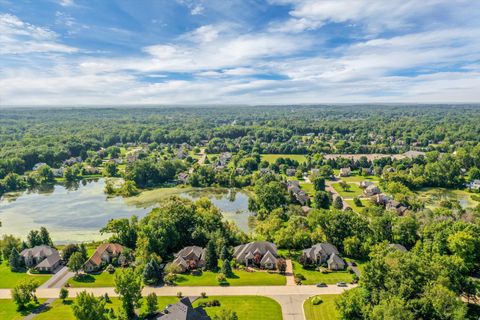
281 265
322 200
352 246
350 304
225 253
124 231
211 259
15 261
152 303
357 202
393 308
110 169
319 184
128 189
87 307
33 238
151 273
338 203
128 285
63 294
75 262
44 237
68 250
45 174
83 250
24 292
227 268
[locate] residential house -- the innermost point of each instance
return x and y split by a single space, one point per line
183 177
58 173
397 246
293 187
396 206
371 190
290 172
365 184
475 184
261 254
72 161
315 172
321 253
183 310
382 199
38 166
413 154
345 172
104 254
223 159
42 258
191 257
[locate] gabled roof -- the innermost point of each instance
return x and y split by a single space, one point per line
240 252
50 261
397 246
321 248
268 258
110 248
196 251
183 310
181 262
336 259
38 251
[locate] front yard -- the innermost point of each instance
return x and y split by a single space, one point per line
103 279
246 307
323 311
354 190
240 278
314 277
9 279
8 309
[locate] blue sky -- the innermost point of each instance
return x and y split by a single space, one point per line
79 52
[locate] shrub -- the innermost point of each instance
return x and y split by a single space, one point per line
110 269
221 278
316 301
203 294
63 294
179 294
300 276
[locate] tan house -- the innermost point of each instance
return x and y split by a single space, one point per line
42 258
261 254
104 254
191 257
345 172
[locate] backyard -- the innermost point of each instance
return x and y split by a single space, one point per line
353 191
272 157
314 277
8 309
323 311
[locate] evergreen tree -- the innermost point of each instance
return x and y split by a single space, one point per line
322 200
225 253
15 261
83 251
211 259
34 239
151 272
44 237
319 184
227 268
338 203
152 303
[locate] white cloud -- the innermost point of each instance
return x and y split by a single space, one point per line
66 3
18 37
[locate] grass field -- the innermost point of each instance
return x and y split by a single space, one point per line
8 309
365 202
103 279
307 187
246 307
433 196
324 311
314 277
240 278
354 190
63 310
9 279
272 157
356 178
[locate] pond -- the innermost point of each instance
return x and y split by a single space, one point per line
75 213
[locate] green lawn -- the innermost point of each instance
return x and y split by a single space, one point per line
365 202
9 279
63 310
314 277
103 279
272 157
324 311
246 307
8 309
240 278
354 190
357 178
308 188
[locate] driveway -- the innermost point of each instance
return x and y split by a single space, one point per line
58 279
289 273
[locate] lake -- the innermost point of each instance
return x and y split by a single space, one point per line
75 213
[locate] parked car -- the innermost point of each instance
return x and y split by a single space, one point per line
341 284
321 285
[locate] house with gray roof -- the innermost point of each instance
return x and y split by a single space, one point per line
191 257
262 254
183 310
42 258
321 253
371 190
397 246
